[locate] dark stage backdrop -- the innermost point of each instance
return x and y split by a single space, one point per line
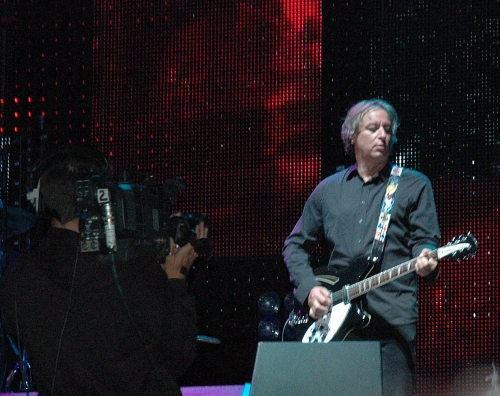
225 94
244 100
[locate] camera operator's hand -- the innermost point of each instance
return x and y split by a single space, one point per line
201 230
180 259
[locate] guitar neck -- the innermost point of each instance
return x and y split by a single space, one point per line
456 249
373 282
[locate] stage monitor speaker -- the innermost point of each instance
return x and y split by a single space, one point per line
349 368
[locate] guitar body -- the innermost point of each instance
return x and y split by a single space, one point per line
342 318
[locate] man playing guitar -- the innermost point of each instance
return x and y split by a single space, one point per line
344 211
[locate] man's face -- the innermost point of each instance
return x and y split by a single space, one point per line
372 140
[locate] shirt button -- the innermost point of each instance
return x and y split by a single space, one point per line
359 241
360 221
363 202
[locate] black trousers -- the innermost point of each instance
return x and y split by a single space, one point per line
398 350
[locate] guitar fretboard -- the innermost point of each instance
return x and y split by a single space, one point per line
380 279
457 249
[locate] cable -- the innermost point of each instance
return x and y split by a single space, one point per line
23 374
283 330
65 320
139 332
17 349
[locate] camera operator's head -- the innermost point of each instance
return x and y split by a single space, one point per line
56 197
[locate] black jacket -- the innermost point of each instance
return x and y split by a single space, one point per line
91 327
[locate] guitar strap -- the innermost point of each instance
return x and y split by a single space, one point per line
385 215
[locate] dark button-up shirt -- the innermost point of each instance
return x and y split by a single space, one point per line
345 210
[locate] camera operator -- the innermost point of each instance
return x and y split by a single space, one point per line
92 324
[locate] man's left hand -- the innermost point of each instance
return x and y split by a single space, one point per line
426 263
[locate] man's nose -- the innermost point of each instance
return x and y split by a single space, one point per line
382 133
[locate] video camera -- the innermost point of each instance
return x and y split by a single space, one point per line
114 212
115 216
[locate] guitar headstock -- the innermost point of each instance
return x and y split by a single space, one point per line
461 247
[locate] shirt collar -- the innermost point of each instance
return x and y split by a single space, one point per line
383 175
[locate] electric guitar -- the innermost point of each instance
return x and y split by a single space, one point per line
346 313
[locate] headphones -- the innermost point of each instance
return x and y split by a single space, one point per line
94 163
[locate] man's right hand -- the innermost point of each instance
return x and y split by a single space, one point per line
319 301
